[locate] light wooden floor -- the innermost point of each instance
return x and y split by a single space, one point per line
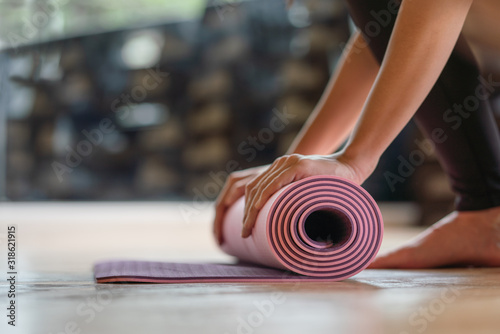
57 244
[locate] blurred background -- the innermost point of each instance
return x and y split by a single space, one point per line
160 100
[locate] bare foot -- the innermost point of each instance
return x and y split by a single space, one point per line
459 239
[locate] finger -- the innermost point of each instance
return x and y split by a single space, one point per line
236 191
233 189
286 177
252 198
221 206
280 165
253 185
220 211
232 195
252 211
256 179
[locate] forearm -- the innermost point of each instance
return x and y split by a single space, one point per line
340 106
421 43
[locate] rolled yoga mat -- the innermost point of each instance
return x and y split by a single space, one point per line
319 228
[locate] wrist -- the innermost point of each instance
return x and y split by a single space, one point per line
361 162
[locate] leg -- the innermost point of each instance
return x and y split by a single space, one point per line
468 147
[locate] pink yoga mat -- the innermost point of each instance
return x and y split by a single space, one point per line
318 228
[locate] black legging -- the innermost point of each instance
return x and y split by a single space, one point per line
456 104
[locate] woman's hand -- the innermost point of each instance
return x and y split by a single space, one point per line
233 189
288 169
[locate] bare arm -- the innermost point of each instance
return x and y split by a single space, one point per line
327 127
422 41
339 108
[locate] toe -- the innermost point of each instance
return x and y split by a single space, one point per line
393 260
380 262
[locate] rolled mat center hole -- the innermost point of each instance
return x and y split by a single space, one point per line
329 227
